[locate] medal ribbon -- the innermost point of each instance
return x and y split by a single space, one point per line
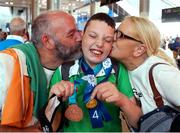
72 99
99 113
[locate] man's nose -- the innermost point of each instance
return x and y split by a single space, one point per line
78 36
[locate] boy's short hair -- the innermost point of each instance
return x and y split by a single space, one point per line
101 17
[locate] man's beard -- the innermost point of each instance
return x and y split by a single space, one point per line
68 53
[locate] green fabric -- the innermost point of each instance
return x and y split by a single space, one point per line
37 75
55 78
85 125
123 83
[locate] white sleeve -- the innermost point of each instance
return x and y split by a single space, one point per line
6 70
167 80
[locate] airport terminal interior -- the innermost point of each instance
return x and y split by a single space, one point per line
83 9
165 14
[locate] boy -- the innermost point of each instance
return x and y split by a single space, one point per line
91 69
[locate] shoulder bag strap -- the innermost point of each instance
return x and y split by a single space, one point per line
65 69
157 95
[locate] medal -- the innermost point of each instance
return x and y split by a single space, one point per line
91 104
74 113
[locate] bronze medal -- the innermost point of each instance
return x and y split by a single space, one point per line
91 104
74 113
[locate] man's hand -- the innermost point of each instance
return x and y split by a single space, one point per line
62 89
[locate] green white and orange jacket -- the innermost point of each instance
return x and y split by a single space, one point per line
23 86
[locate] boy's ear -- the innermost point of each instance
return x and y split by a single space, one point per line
139 50
47 42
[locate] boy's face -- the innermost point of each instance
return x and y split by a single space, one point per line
97 42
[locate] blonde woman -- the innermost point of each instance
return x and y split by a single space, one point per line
137 46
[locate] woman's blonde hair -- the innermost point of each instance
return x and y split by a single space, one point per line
145 31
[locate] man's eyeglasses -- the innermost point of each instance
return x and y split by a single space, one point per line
119 34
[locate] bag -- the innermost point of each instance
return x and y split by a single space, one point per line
46 114
162 119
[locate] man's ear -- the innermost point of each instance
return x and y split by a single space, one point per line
47 42
139 50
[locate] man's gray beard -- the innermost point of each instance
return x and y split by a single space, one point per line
68 53
76 55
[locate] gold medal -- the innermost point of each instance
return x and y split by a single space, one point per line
91 104
74 113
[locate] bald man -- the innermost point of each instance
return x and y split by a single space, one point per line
25 70
17 32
